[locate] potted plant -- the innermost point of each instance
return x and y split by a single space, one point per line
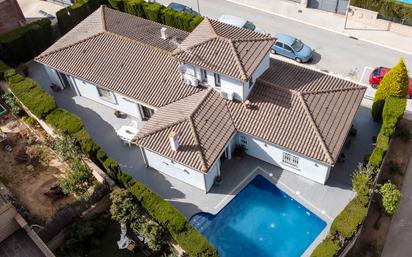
218 180
239 151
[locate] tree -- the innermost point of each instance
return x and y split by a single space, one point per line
66 148
153 234
124 208
361 182
391 197
77 179
394 83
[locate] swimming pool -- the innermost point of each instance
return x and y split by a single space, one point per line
262 221
406 1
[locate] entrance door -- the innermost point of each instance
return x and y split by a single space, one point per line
336 6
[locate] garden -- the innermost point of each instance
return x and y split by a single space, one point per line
361 228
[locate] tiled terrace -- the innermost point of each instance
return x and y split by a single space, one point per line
325 200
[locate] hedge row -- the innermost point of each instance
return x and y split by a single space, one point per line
65 122
393 110
158 13
38 101
24 43
390 9
70 16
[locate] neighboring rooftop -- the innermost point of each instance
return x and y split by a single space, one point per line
224 48
203 124
18 245
136 61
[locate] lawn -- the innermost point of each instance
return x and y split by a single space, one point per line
108 244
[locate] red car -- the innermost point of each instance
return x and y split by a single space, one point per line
377 75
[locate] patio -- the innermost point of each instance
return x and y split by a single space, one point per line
324 200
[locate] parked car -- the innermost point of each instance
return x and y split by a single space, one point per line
377 75
291 47
240 22
182 8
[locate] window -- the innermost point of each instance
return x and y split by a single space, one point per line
279 44
250 82
146 112
106 95
287 48
290 160
203 74
217 80
243 140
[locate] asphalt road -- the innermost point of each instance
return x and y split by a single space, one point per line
335 52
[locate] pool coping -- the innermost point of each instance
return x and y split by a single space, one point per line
283 187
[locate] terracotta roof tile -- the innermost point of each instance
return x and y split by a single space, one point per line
203 124
223 48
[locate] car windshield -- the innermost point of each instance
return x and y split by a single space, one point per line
377 71
248 25
297 45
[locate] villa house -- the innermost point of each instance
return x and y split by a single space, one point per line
201 94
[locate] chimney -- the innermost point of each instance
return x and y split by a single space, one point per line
163 33
174 143
247 104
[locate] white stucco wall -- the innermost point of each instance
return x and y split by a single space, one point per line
211 174
176 170
54 78
307 167
263 66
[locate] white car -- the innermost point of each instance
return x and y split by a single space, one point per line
240 22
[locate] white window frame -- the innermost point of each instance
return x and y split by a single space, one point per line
217 80
109 97
203 75
290 160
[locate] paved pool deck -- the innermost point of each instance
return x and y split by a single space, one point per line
324 200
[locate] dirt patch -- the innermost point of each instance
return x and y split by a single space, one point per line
29 168
376 227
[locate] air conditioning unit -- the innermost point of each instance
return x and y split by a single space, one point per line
228 95
190 80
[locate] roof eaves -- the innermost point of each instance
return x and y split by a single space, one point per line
103 17
333 90
329 158
137 138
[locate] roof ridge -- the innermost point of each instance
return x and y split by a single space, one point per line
179 51
315 127
70 45
103 16
196 138
138 42
211 26
237 59
160 129
331 90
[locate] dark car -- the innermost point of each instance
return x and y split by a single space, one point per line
183 8
377 75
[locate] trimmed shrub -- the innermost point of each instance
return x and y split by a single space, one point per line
101 155
15 78
167 17
65 122
194 243
135 7
376 158
23 43
328 248
347 222
394 83
9 73
117 4
361 183
152 11
112 167
182 21
382 142
391 197
394 107
195 21
3 68
38 101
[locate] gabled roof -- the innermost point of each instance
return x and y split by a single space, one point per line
123 53
224 48
203 124
310 114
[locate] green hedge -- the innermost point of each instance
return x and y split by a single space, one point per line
65 122
348 221
158 13
38 101
164 213
382 142
3 68
391 9
69 17
376 158
328 248
24 43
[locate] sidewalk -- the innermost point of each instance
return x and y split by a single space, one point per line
400 232
331 21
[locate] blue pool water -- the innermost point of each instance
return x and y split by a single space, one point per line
406 1
261 221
